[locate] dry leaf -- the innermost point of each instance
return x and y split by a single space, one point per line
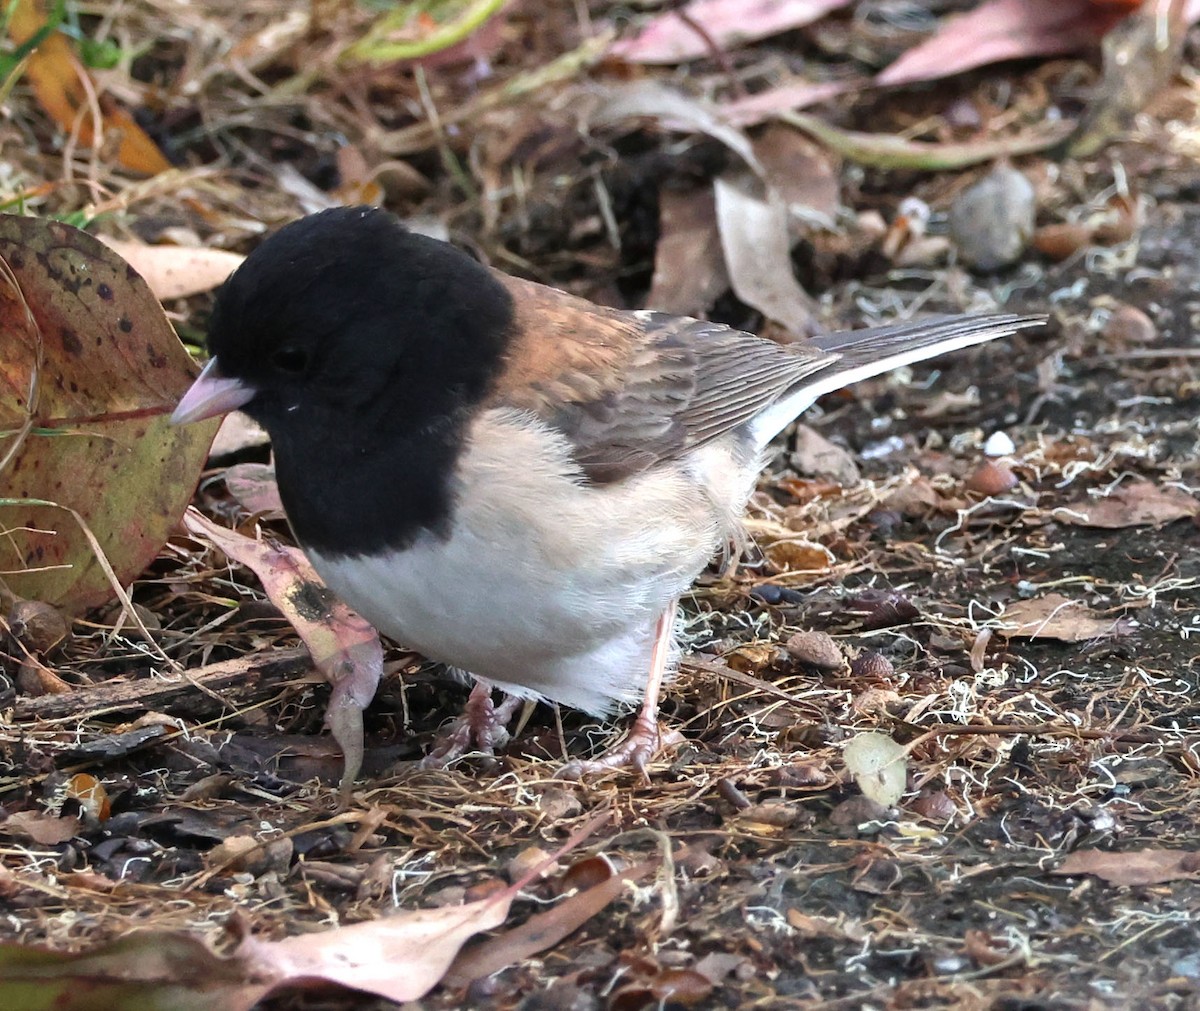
177 271
677 36
689 268
1003 30
253 485
674 110
805 174
144 971
757 248
1139 867
91 371
1057 617
1133 504
43 828
238 431
755 109
343 645
542 930
879 767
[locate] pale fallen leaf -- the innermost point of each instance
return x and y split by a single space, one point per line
176 271
403 956
757 248
1136 867
816 456
343 645
879 767
755 109
1057 617
670 38
1133 504
674 110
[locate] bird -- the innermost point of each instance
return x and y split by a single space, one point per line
505 477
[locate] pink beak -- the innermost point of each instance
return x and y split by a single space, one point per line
211 394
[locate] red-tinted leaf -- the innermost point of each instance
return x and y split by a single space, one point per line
1004 30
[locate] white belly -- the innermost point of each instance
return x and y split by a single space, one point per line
546 586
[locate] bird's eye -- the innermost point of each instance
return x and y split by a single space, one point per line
291 360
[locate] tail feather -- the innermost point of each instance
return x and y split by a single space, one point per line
866 353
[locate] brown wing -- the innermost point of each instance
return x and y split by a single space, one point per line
630 389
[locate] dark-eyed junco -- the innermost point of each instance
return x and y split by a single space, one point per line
503 476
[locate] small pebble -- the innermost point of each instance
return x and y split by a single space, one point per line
1129 325
992 222
999 444
992 478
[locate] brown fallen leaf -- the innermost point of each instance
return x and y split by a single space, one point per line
146 970
343 645
90 371
1133 504
176 271
403 956
1137 867
542 930
689 268
1057 617
43 828
805 174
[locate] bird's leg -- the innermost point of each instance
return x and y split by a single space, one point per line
482 724
645 737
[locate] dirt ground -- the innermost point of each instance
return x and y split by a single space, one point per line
1074 730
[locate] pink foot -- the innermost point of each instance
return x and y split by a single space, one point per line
482 728
644 740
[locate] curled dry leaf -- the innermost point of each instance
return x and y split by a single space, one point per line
91 370
343 645
254 486
879 767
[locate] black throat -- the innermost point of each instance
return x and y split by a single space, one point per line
370 498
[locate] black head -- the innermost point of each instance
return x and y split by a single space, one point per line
362 347
347 318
